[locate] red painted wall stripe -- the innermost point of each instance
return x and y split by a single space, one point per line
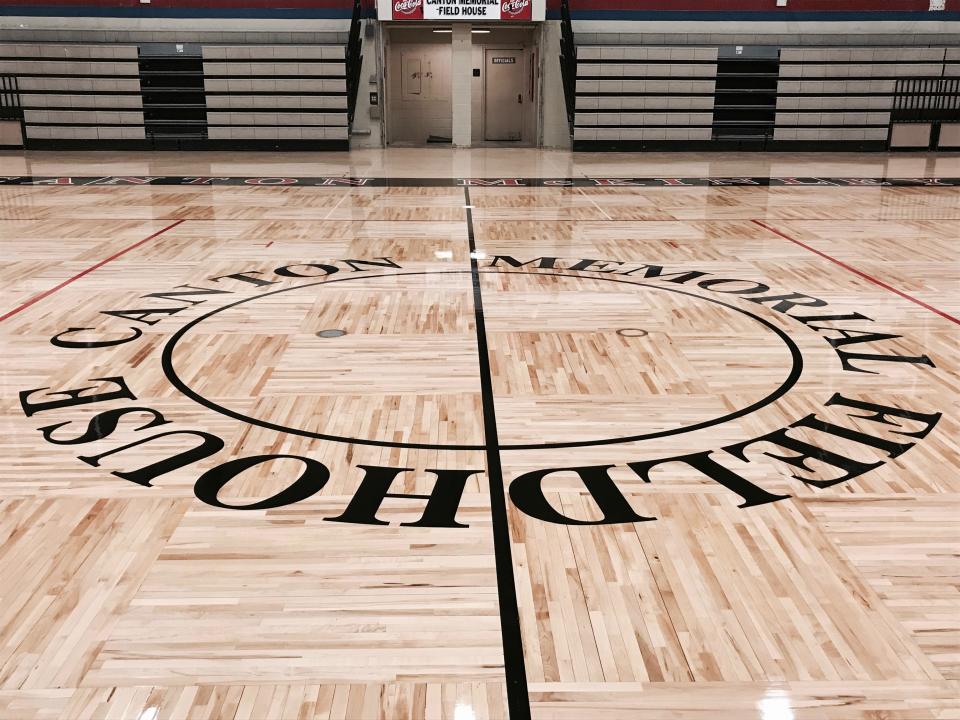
766 6
211 4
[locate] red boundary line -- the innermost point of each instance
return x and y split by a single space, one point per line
51 291
862 274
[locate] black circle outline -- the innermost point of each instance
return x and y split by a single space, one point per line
795 371
622 332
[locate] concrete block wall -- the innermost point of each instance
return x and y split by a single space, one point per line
554 129
275 92
637 93
77 92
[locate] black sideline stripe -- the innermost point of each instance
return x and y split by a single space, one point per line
378 182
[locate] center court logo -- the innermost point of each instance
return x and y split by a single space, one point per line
855 430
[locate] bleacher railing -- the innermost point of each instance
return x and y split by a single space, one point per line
9 98
354 59
923 100
568 62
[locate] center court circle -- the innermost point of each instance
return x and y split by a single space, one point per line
245 408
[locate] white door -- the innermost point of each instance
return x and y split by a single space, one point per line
504 99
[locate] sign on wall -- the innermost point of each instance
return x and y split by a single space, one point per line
463 10
408 9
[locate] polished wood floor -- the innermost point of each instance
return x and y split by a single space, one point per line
133 598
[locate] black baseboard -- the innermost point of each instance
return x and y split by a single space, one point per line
729 146
11 147
172 144
34 144
827 146
280 145
649 145
919 148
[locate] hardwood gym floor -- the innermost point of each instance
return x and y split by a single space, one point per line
683 446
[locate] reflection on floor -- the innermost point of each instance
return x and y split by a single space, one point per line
697 456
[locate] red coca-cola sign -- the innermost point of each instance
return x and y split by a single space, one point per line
409 9
516 9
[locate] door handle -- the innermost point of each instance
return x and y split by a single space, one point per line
519 97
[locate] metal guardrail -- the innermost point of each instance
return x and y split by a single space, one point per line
927 100
354 59
568 62
10 97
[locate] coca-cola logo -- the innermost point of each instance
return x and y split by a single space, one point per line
406 7
514 7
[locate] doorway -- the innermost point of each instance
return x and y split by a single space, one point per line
501 67
506 93
418 87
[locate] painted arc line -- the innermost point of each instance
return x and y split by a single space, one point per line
793 376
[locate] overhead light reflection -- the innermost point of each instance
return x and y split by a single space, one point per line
775 706
463 712
443 254
478 255
149 714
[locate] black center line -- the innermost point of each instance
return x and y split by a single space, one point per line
514 667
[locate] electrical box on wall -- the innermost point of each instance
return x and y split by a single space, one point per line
938 4
781 3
